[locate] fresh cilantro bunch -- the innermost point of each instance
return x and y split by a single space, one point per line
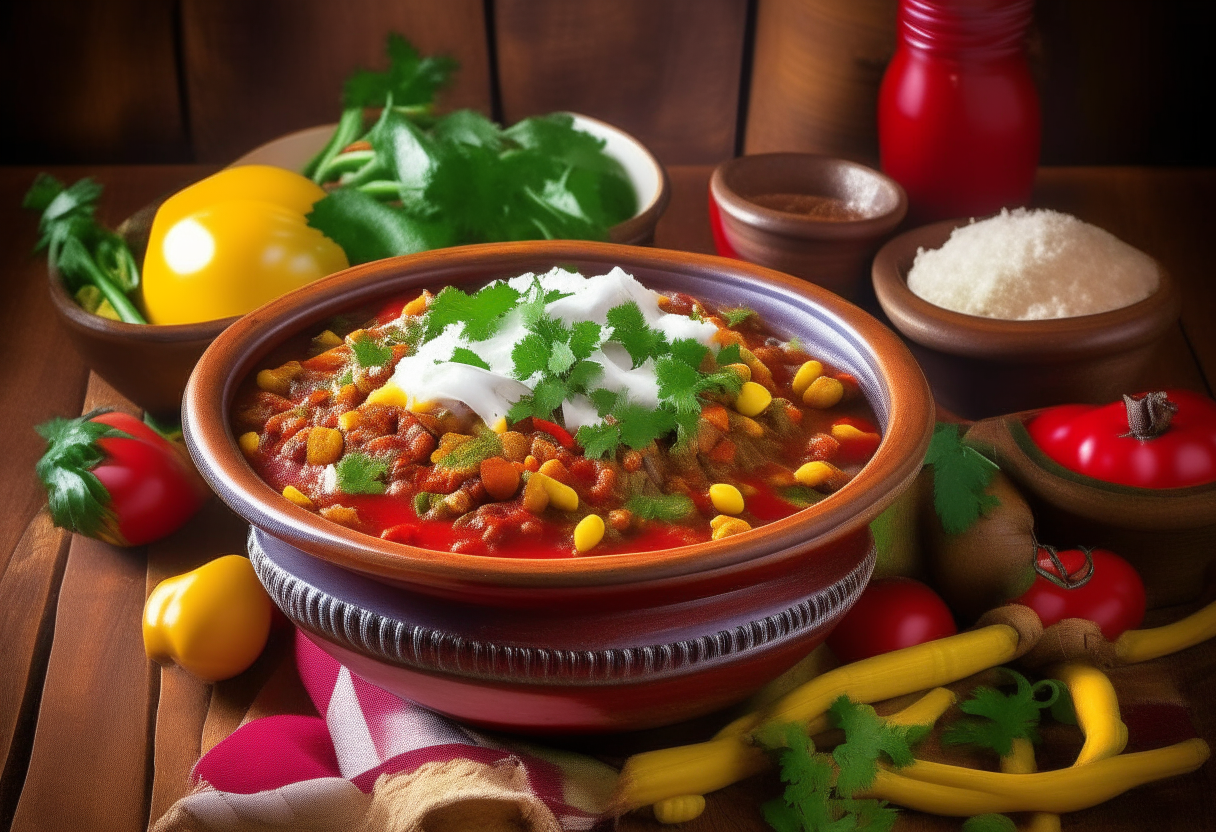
95 263
414 182
820 786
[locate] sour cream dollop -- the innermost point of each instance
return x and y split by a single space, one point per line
429 377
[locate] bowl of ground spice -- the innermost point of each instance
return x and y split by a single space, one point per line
816 217
1025 309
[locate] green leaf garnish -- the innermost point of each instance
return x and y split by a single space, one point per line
360 473
75 496
737 315
629 329
1003 717
960 475
670 508
410 80
479 314
463 355
369 352
868 736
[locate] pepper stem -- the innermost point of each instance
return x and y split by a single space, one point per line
1149 416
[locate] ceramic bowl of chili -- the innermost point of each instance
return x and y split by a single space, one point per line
149 364
575 644
1092 481
981 367
820 218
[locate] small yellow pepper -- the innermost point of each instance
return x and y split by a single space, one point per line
235 240
213 621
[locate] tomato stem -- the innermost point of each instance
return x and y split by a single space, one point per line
1148 416
1061 577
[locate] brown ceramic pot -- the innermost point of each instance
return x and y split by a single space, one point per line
1168 535
587 644
834 253
980 367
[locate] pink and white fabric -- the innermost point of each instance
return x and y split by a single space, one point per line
280 770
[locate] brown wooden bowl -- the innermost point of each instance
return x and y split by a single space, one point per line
980 367
588 644
150 364
834 254
1168 535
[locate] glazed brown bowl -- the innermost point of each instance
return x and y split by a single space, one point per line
980 367
603 643
831 248
1167 534
150 364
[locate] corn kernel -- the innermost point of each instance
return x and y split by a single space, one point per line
743 371
823 392
753 399
298 497
718 521
343 515
278 380
536 498
814 474
588 533
554 468
418 305
731 526
350 420
324 446
846 432
561 496
248 443
726 498
679 809
500 427
389 394
807 373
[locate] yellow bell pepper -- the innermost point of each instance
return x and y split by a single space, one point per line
232 242
213 621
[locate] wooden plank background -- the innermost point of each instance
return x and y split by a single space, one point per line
97 81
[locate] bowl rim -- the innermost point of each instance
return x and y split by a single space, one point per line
1048 340
735 206
239 348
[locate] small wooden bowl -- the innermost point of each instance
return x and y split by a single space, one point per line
833 253
980 367
585 644
1168 535
150 364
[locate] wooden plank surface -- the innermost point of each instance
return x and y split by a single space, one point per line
669 73
109 739
255 71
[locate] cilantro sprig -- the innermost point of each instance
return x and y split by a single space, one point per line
360 473
999 718
960 475
820 788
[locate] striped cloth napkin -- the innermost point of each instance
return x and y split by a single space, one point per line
376 761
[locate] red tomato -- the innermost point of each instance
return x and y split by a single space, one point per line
892 613
1095 441
127 490
1112 597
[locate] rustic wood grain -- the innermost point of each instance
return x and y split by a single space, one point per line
90 81
815 76
685 225
669 73
257 70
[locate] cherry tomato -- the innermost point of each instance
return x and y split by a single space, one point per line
1097 442
127 490
1109 592
892 613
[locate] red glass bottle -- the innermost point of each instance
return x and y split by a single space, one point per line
958 113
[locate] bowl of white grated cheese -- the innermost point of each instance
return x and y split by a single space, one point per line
1025 309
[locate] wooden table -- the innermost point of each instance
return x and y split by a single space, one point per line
93 736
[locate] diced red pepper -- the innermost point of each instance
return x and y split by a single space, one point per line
555 430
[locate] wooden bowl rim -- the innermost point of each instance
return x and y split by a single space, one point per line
236 351
740 209
973 336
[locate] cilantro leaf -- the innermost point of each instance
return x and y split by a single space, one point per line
481 313
737 315
688 351
866 737
670 508
678 384
410 80
629 329
598 440
1002 718
530 356
640 425
730 354
369 352
76 498
584 338
960 475
463 355
359 473
561 358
